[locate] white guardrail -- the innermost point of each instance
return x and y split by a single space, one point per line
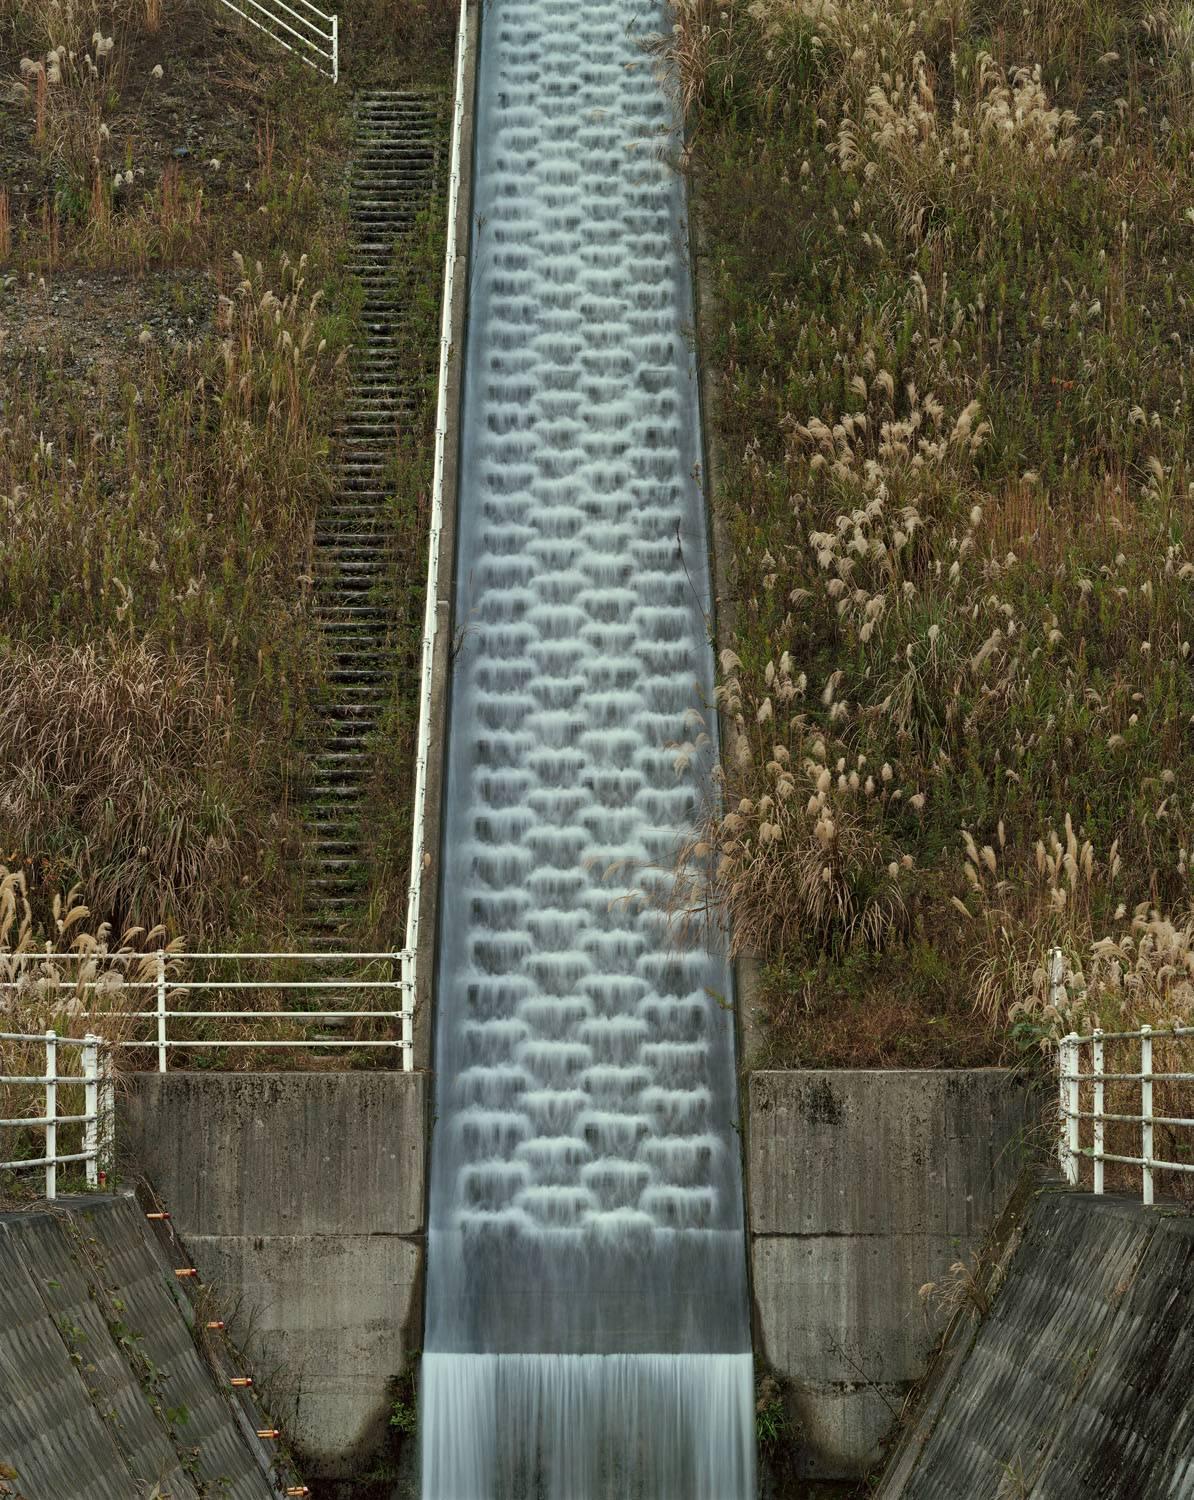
317 44
175 977
94 1059
1080 1086
431 606
369 1008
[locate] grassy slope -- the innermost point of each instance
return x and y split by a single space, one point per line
166 440
171 374
949 251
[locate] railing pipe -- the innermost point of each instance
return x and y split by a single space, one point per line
315 11
324 34
278 21
396 1018
252 1015
302 56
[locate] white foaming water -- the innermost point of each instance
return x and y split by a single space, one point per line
590 1426
587 1326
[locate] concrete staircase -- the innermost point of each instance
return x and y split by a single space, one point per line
393 182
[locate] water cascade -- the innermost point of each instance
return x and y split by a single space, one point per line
587 1326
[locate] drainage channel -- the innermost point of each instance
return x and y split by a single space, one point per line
393 184
587 1331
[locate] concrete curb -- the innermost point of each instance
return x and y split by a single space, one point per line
746 967
424 1019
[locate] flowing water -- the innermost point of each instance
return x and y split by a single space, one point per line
587 1326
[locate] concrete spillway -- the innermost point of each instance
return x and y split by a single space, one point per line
587 1326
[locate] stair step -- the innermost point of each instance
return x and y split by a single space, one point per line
398 156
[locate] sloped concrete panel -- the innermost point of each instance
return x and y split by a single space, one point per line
1077 1385
54 1254
103 1394
50 1432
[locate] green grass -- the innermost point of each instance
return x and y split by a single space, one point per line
948 315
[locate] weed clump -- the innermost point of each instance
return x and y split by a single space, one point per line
155 581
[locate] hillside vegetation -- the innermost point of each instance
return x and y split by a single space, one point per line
949 282
175 320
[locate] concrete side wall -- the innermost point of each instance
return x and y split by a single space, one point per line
103 1393
300 1196
863 1186
441 664
1077 1385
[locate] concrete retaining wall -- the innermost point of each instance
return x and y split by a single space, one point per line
1077 1385
300 1195
103 1392
862 1187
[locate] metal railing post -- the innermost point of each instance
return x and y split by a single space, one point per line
161 994
1056 976
1146 1110
107 1112
51 1115
406 1005
336 49
1099 1123
91 1107
1067 1060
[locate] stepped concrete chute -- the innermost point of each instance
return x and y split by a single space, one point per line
104 1394
1076 1386
586 1253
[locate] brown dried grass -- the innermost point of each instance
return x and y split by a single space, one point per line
125 765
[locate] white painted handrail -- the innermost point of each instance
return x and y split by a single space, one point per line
167 986
98 1103
1071 1078
431 610
323 48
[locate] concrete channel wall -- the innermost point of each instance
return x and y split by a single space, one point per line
104 1394
863 1186
301 1197
1076 1386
